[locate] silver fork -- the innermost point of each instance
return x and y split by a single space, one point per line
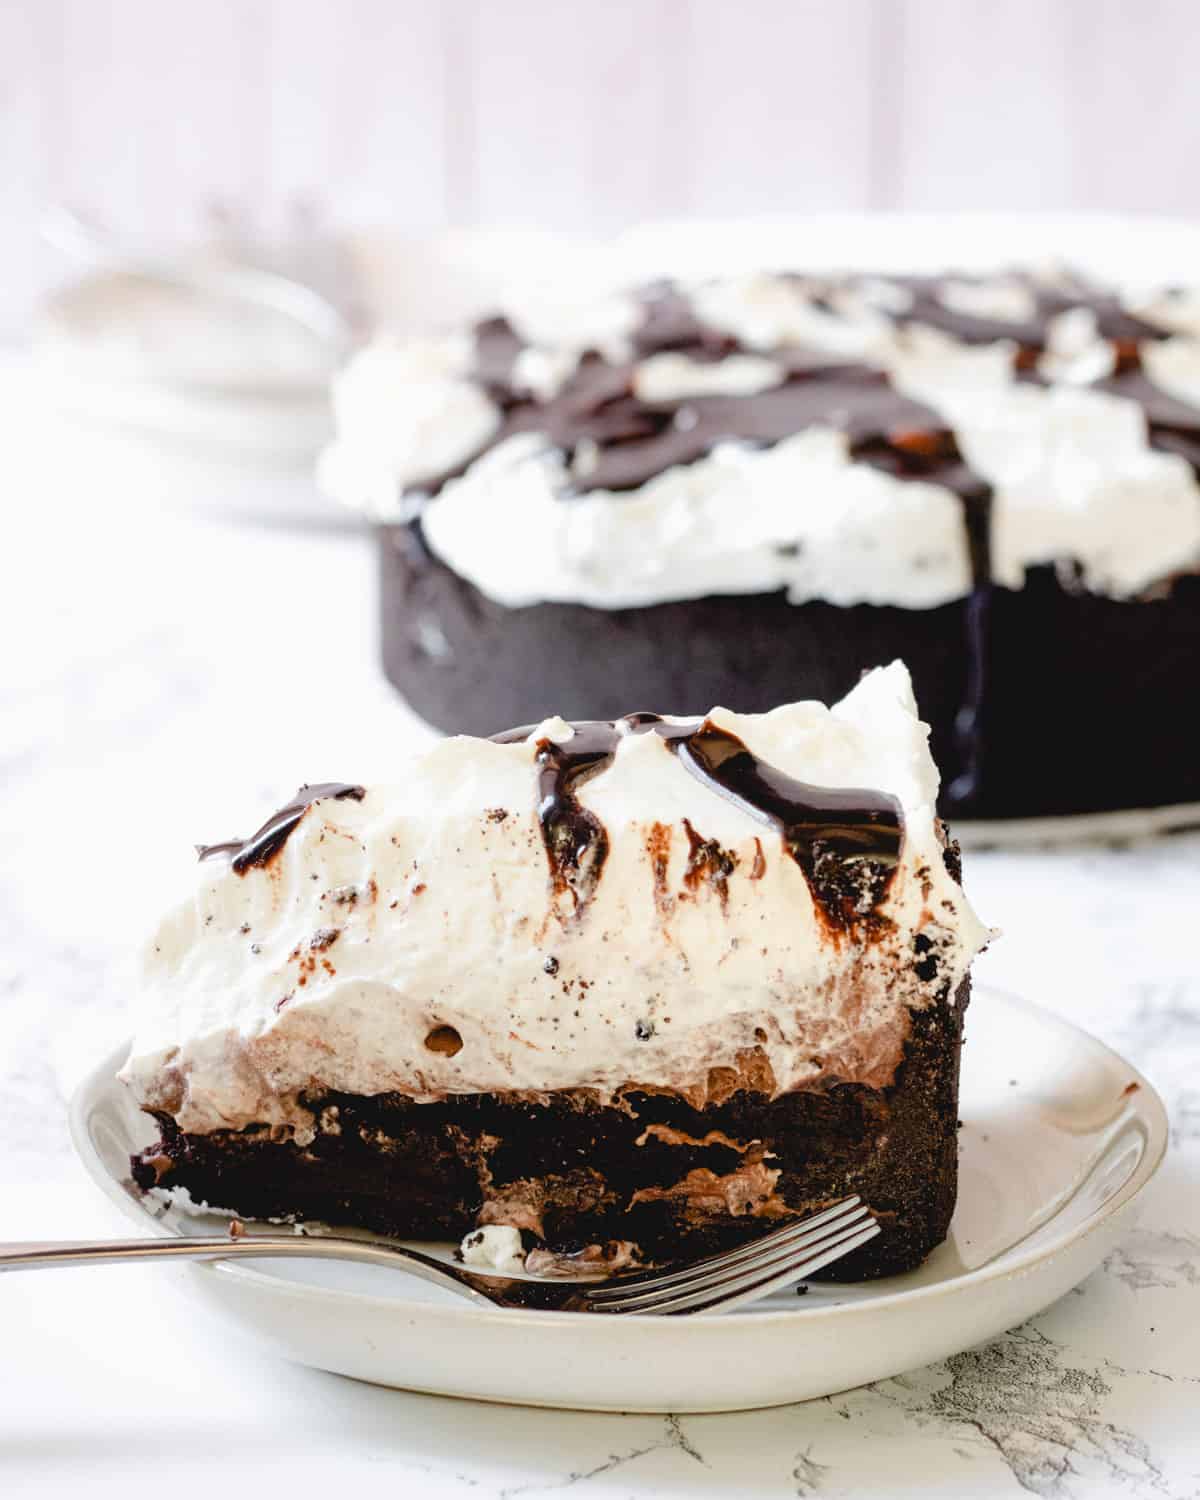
728 1280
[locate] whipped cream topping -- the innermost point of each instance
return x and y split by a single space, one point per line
1075 475
1075 478
556 317
543 372
1076 354
1174 366
799 516
930 366
404 413
494 1247
1176 309
767 312
414 941
1002 298
675 377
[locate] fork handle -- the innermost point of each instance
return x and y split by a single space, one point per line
40 1255
37 1255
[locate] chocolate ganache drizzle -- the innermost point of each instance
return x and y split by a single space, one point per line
576 841
266 842
630 440
1030 334
614 440
846 840
1174 426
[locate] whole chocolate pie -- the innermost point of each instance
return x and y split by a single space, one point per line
748 490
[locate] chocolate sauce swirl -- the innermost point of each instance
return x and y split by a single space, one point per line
266 842
1173 425
847 841
575 839
628 441
1031 334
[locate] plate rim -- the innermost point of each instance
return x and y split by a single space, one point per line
1149 1109
1053 830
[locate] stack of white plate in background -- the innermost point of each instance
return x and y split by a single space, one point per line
199 376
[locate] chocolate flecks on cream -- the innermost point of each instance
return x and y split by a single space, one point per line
263 845
658 851
846 840
708 864
927 963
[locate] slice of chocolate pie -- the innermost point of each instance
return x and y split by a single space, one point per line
653 984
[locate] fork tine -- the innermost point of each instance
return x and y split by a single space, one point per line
714 1278
752 1250
696 1278
730 1281
757 1282
797 1271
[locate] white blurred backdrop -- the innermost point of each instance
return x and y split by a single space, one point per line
148 114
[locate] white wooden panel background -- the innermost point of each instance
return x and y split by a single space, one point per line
583 113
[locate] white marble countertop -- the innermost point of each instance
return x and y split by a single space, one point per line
166 676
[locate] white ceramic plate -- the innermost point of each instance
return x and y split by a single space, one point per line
1059 1137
